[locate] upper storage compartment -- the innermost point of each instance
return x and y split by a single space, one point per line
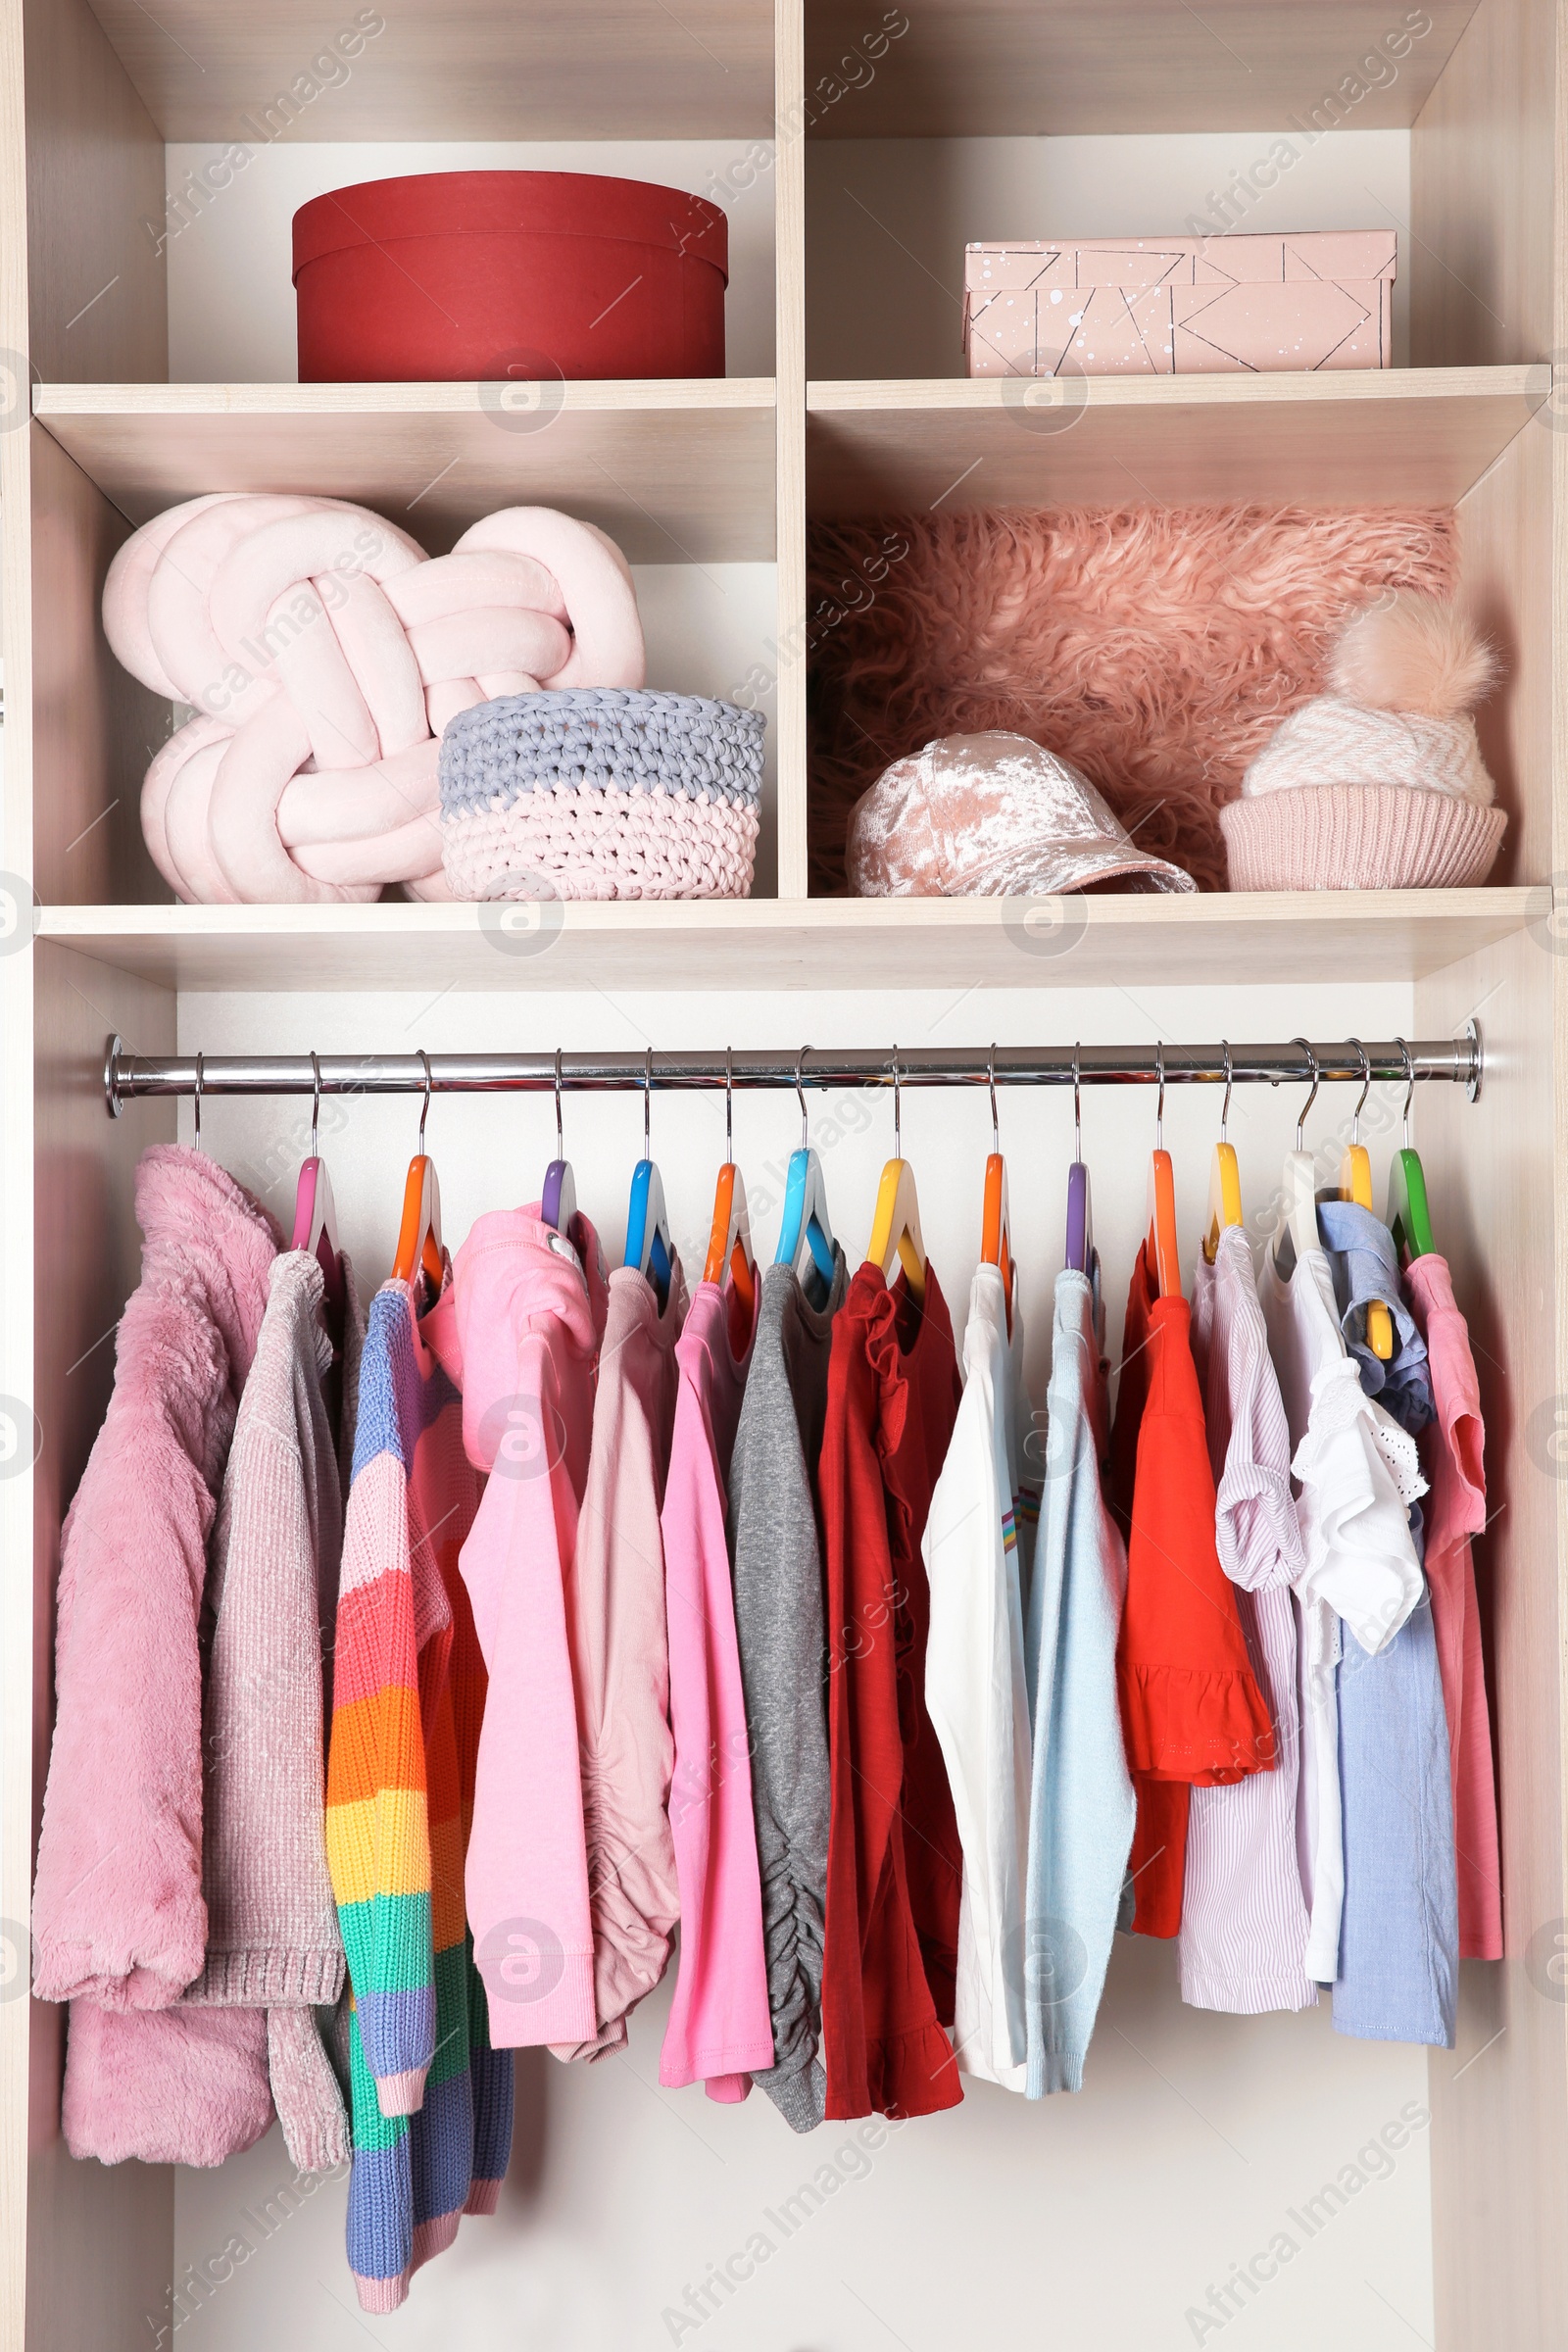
953 124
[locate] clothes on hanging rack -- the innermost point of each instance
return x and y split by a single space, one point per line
1360 1570
430 2096
894 1861
720 2032
519 1331
976 1553
1243 1945
118 1918
272 1936
1192 1710
1453 1448
1397 1977
1366 1267
748 1636
776 1531
1081 1800
620 1657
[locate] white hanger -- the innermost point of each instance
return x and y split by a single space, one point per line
1299 1232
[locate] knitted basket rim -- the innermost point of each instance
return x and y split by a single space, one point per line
1359 837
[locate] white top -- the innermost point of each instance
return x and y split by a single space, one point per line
1359 1560
974 1685
1243 1931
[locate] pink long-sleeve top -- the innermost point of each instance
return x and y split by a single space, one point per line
719 2029
620 1654
519 1331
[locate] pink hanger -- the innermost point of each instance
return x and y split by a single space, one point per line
315 1218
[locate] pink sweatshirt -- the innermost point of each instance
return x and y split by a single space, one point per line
519 1331
719 2027
1452 1449
620 1657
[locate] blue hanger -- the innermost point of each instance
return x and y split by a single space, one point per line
805 1227
648 1246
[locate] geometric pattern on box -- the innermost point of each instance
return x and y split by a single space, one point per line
1180 306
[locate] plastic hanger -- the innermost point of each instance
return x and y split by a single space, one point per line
1356 1184
648 1246
1297 1232
995 1223
559 1198
196 1139
1224 1176
1080 1208
731 1259
1409 1218
1163 1255
805 1229
895 1226
419 1250
316 1217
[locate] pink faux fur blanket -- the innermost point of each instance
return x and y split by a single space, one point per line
1155 647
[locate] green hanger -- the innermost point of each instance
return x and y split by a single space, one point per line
1409 1218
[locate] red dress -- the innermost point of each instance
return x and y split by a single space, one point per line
1192 1713
894 1862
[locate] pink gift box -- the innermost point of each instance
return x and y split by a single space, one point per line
1180 306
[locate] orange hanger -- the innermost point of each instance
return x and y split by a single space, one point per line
996 1223
419 1250
730 1256
1163 1255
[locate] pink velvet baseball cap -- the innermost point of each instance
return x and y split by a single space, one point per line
990 817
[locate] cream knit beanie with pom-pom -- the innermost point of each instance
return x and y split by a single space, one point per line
1379 784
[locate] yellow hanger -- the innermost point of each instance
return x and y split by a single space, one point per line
1224 1177
1163 1255
895 1226
1356 1184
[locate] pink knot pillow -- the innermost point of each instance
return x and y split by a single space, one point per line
323 653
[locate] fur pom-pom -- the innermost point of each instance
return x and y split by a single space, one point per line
1410 653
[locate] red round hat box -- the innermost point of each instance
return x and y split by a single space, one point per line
462 275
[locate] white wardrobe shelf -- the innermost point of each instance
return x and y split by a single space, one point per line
677 469
812 943
1424 435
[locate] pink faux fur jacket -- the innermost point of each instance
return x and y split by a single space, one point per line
118 1909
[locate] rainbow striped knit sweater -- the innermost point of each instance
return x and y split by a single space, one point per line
431 2101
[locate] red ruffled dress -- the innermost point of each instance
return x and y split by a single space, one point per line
1192 1713
894 1866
